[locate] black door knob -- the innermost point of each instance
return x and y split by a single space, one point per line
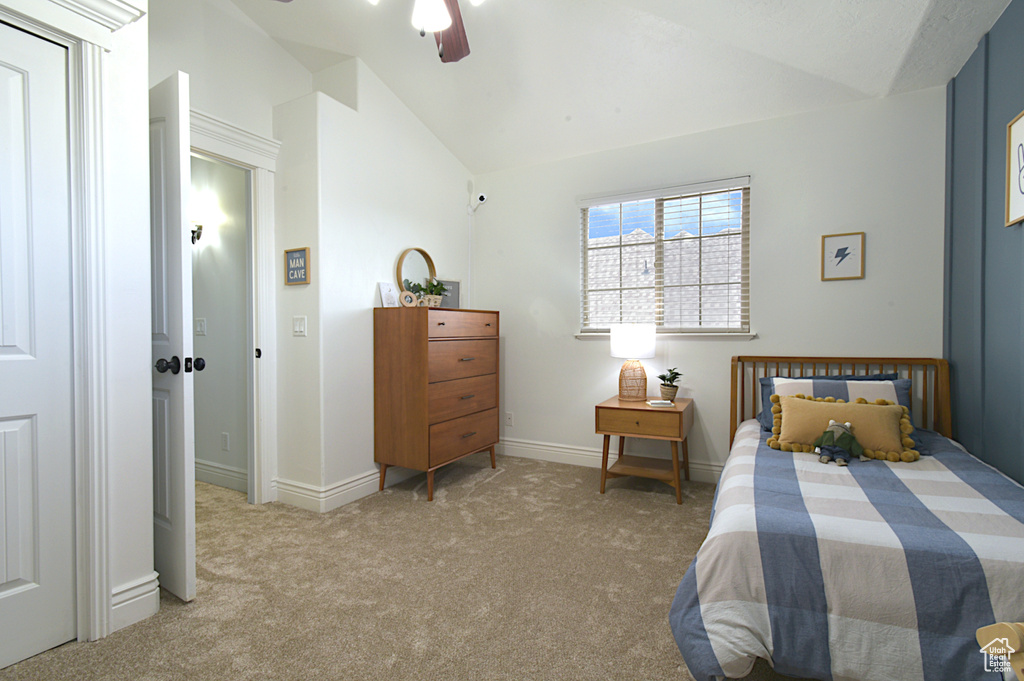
199 364
174 364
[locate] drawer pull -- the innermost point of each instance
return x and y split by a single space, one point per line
469 435
638 423
467 397
488 324
440 323
467 359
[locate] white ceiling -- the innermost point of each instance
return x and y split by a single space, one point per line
550 79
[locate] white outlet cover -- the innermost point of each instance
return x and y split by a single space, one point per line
299 325
200 326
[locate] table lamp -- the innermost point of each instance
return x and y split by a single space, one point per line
633 342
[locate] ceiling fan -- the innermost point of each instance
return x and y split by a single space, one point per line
452 44
444 19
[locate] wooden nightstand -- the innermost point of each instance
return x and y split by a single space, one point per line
638 419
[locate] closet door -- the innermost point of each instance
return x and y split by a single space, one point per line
37 494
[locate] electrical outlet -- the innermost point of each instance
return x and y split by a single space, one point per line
510 419
225 442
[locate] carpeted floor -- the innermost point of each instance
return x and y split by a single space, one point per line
524 572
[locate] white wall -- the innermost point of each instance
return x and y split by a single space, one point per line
128 361
237 72
390 185
298 225
382 183
220 296
875 166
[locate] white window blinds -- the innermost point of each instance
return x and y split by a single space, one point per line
674 257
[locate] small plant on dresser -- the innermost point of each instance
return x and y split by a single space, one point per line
668 384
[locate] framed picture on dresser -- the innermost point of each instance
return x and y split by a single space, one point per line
451 297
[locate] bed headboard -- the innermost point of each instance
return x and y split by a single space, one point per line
929 391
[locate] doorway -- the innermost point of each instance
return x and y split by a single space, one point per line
220 213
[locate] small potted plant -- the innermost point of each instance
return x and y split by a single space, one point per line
432 293
668 384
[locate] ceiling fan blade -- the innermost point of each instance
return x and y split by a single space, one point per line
452 44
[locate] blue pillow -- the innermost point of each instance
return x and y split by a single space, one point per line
838 391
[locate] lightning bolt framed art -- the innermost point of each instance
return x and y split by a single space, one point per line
842 256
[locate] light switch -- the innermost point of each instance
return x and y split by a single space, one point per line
200 326
299 325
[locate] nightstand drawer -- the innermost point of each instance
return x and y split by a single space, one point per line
635 422
451 399
449 360
456 324
452 439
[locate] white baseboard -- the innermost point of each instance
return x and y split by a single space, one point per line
700 471
134 601
321 500
222 475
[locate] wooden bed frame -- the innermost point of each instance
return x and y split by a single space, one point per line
929 391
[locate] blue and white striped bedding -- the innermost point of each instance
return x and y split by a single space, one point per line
875 571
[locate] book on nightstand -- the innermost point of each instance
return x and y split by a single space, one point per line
660 403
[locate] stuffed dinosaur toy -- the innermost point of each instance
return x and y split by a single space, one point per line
838 443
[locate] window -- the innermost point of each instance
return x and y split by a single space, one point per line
674 257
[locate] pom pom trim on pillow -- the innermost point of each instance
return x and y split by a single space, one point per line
890 453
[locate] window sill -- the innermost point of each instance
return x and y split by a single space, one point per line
701 336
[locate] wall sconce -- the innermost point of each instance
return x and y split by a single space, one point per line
206 217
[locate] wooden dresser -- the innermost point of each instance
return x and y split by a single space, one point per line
435 394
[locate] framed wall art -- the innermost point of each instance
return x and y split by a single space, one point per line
296 266
842 256
1015 170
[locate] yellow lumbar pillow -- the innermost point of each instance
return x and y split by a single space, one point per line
882 428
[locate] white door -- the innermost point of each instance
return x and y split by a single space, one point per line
174 490
37 558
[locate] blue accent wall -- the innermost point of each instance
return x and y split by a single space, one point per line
984 339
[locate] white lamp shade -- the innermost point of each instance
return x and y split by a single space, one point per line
633 341
430 16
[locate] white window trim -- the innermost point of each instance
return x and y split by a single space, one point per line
640 195
591 200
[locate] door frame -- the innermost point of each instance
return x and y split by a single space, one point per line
217 139
86 33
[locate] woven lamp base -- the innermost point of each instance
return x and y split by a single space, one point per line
632 382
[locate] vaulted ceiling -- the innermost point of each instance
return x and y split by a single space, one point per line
550 79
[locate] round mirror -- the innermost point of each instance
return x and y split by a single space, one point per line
415 265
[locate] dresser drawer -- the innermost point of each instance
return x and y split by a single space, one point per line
455 324
631 422
451 399
452 439
448 360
